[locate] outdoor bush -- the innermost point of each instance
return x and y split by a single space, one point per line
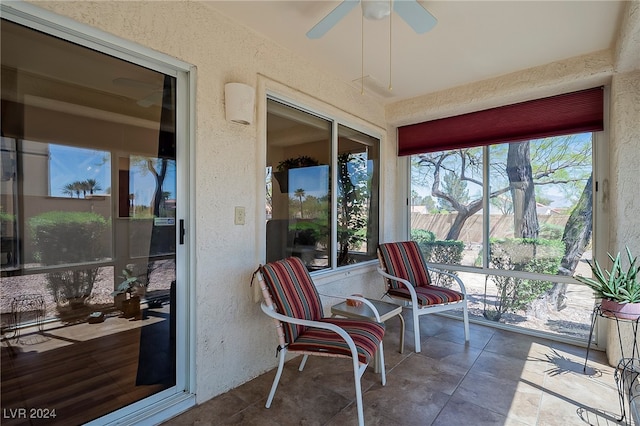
521 254
69 238
550 231
6 219
447 252
424 239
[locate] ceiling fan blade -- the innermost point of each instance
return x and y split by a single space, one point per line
138 84
332 18
154 98
415 15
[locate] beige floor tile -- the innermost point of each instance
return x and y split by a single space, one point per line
499 378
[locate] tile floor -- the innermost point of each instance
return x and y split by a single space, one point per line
498 378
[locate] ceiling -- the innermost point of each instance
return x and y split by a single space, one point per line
472 41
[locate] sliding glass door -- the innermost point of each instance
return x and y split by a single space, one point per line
88 206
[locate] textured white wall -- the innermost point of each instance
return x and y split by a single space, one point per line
624 151
235 341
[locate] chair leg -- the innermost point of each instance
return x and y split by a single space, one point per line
357 373
416 328
465 314
276 380
383 375
303 362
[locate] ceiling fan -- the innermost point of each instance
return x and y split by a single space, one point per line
412 12
155 92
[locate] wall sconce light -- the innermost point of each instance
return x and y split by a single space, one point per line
239 100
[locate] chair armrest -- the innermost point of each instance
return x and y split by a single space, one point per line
407 284
457 279
307 323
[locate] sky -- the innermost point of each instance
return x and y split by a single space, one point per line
70 164
556 197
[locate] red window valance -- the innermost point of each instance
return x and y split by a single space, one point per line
574 112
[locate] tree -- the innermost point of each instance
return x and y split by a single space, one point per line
158 168
92 185
562 162
456 188
576 237
159 171
300 194
522 188
466 164
353 180
69 189
558 160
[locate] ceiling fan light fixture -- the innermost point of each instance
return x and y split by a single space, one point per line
376 10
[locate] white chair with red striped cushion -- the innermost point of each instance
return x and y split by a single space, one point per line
408 281
291 299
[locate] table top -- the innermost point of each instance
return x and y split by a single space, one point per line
385 309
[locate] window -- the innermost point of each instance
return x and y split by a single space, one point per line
515 218
306 218
504 197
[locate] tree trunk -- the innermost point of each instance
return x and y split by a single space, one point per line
525 216
464 213
576 236
159 177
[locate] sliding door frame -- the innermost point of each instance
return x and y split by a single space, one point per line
169 402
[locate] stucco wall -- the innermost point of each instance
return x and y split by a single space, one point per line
624 163
235 341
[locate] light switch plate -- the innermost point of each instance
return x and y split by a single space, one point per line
239 215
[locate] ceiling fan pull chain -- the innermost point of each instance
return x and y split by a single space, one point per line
390 44
362 54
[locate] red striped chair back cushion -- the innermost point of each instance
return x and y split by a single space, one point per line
293 293
404 260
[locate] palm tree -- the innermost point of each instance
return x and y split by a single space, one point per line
69 189
73 188
300 193
92 185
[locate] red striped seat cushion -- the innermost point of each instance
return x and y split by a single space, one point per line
429 295
367 336
405 260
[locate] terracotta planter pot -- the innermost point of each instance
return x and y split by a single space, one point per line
620 334
131 307
620 310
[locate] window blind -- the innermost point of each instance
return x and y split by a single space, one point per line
568 113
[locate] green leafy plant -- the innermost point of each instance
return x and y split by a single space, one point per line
296 162
617 284
448 252
424 239
69 239
130 284
534 255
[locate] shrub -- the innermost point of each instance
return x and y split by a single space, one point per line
424 239
550 231
69 238
521 254
447 252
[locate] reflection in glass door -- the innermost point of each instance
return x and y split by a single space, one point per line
88 225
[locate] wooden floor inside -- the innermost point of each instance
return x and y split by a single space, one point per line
84 371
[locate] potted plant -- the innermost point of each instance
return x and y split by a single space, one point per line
618 287
282 170
128 290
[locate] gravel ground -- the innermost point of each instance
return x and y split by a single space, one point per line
11 287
